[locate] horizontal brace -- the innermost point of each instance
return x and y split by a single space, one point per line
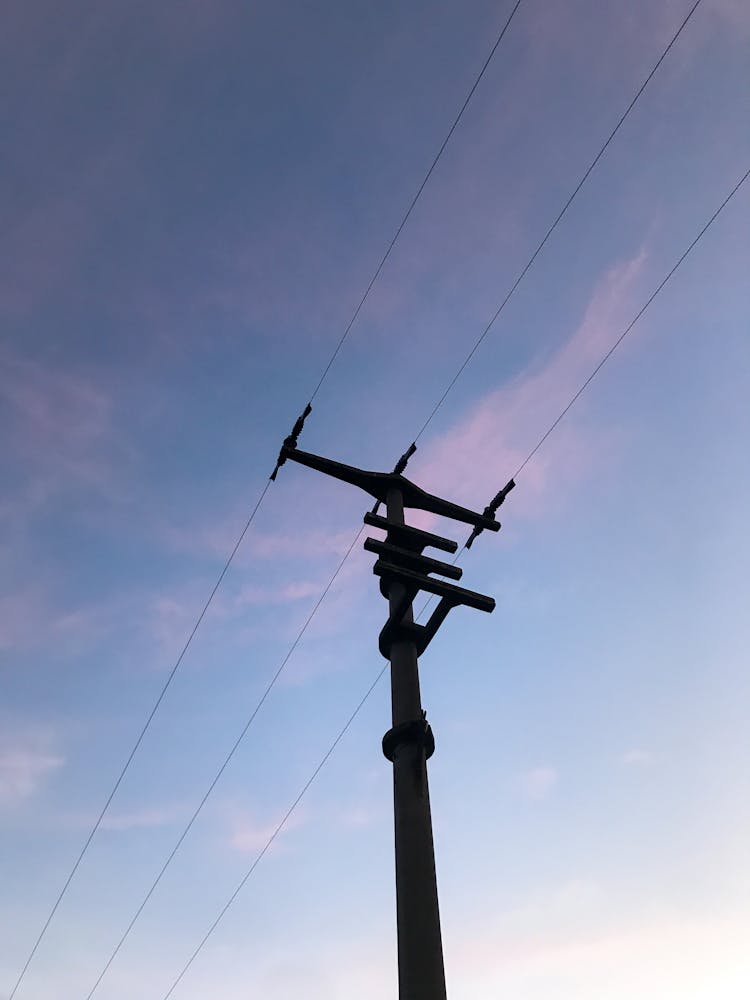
455 595
414 537
412 560
380 484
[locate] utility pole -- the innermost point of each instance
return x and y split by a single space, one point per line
404 572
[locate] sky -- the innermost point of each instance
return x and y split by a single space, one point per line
195 198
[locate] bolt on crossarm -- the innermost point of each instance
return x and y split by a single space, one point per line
404 572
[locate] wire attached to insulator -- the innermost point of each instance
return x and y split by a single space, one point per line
398 468
491 509
290 442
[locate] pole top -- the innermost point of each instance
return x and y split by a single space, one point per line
377 484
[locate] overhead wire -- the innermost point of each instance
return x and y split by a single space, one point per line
225 763
629 327
453 381
383 670
416 197
262 496
137 744
317 388
557 220
280 826
282 823
400 466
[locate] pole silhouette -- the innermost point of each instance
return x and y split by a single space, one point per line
404 571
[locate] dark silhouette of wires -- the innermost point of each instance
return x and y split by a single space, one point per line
224 765
282 823
255 509
415 199
584 385
139 740
433 412
275 834
557 221
383 670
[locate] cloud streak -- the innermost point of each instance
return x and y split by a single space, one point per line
249 835
23 770
537 783
60 430
485 447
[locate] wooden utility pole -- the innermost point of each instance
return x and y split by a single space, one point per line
407 744
404 572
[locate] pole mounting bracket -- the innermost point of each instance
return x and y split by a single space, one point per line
416 731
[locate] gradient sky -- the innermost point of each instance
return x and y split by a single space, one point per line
195 196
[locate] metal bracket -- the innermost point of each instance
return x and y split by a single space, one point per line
491 509
290 442
417 731
399 468
421 635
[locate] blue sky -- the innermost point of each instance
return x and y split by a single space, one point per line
196 197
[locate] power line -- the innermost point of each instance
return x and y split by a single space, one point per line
317 388
441 400
282 823
224 765
369 691
139 740
415 199
275 833
323 376
555 224
629 327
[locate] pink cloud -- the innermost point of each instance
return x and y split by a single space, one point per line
249 835
733 14
21 771
218 539
570 945
538 782
357 817
475 457
637 758
143 819
40 616
30 618
27 759
61 427
285 594
302 544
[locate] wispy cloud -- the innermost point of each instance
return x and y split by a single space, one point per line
637 758
471 460
38 616
60 428
356 817
579 949
287 593
734 16
143 819
249 835
22 771
209 538
537 783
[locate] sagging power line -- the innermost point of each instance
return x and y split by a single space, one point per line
347 725
292 439
170 677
